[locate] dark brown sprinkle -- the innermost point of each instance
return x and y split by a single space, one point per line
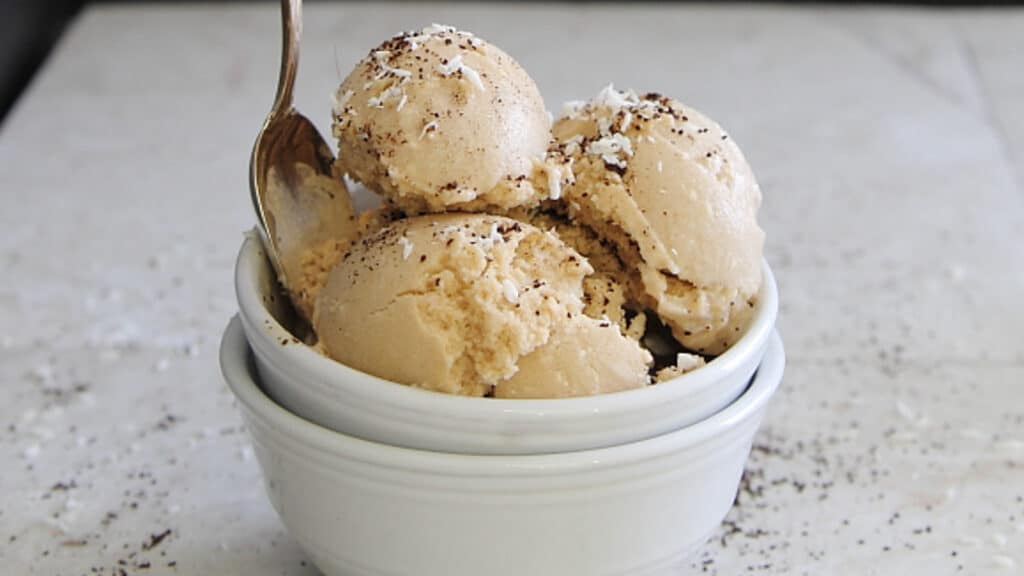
156 539
63 486
423 257
618 169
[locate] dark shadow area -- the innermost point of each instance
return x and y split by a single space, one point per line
28 31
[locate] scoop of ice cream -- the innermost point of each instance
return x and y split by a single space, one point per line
675 194
449 302
439 119
586 357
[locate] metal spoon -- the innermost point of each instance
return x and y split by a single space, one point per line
299 202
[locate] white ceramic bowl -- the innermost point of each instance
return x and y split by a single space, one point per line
358 404
363 508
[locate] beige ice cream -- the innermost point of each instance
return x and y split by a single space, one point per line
440 120
587 356
676 196
457 303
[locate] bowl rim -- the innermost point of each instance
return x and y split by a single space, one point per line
252 260
238 369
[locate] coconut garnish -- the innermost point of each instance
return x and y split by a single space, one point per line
612 98
686 362
510 290
554 184
455 64
493 237
393 91
430 127
341 101
380 59
406 247
572 108
627 119
609 148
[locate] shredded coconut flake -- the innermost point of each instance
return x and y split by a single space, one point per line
511 292
610 147
455 64
406 247
430 127
451 66
341 101
659 166
572 108
493 237
383 68
627 119
686 362
393 91
473 76
401 103
612 98
436 28
554 184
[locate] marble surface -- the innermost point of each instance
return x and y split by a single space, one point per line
890 147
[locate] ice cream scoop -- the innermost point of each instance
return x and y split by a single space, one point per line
439 120
449 302
301 205
676 196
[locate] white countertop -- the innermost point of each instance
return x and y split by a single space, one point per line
890 147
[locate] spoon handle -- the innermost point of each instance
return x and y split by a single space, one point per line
291 33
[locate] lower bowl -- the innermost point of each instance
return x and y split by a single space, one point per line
360 508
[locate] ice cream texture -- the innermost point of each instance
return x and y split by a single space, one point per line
674 193
519 259
455 302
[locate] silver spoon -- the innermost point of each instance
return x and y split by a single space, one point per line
300 204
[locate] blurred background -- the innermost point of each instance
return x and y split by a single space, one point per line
30 28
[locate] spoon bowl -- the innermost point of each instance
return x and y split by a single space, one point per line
299 200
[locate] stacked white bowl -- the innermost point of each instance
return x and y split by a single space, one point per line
376 478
